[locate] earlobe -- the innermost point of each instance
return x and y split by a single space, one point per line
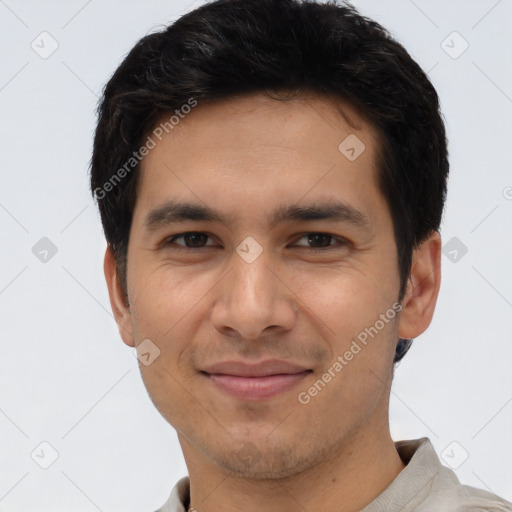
118 299
422 288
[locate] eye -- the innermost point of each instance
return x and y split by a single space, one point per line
198 240
191 240
321 240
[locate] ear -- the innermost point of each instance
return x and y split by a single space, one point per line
118 299
422 288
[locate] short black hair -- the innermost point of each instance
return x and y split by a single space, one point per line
227 48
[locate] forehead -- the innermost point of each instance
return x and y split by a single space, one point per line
258 119
241 148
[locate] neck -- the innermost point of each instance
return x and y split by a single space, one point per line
351 478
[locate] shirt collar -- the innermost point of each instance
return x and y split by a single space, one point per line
422 464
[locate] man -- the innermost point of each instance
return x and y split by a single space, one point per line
271 176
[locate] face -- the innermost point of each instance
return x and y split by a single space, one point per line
262 267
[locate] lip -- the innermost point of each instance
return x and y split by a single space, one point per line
254 382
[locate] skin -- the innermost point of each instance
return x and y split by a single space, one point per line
244 157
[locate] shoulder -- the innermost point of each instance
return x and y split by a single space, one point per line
179 498
426 485
447 494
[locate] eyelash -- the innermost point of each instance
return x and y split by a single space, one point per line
341 242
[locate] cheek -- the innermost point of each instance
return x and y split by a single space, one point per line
344 300
167 299
167 311
358 373
346 310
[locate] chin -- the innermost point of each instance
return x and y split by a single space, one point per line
264 463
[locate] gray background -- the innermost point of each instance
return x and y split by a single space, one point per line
65 376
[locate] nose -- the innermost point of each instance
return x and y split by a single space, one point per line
253 300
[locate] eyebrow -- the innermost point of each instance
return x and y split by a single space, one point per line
174 212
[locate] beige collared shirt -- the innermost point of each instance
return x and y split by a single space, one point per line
424 485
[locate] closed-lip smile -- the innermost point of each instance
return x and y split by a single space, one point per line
255 381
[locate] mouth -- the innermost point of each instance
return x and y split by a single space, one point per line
253 382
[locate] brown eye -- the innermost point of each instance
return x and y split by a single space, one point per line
191 239
320 240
